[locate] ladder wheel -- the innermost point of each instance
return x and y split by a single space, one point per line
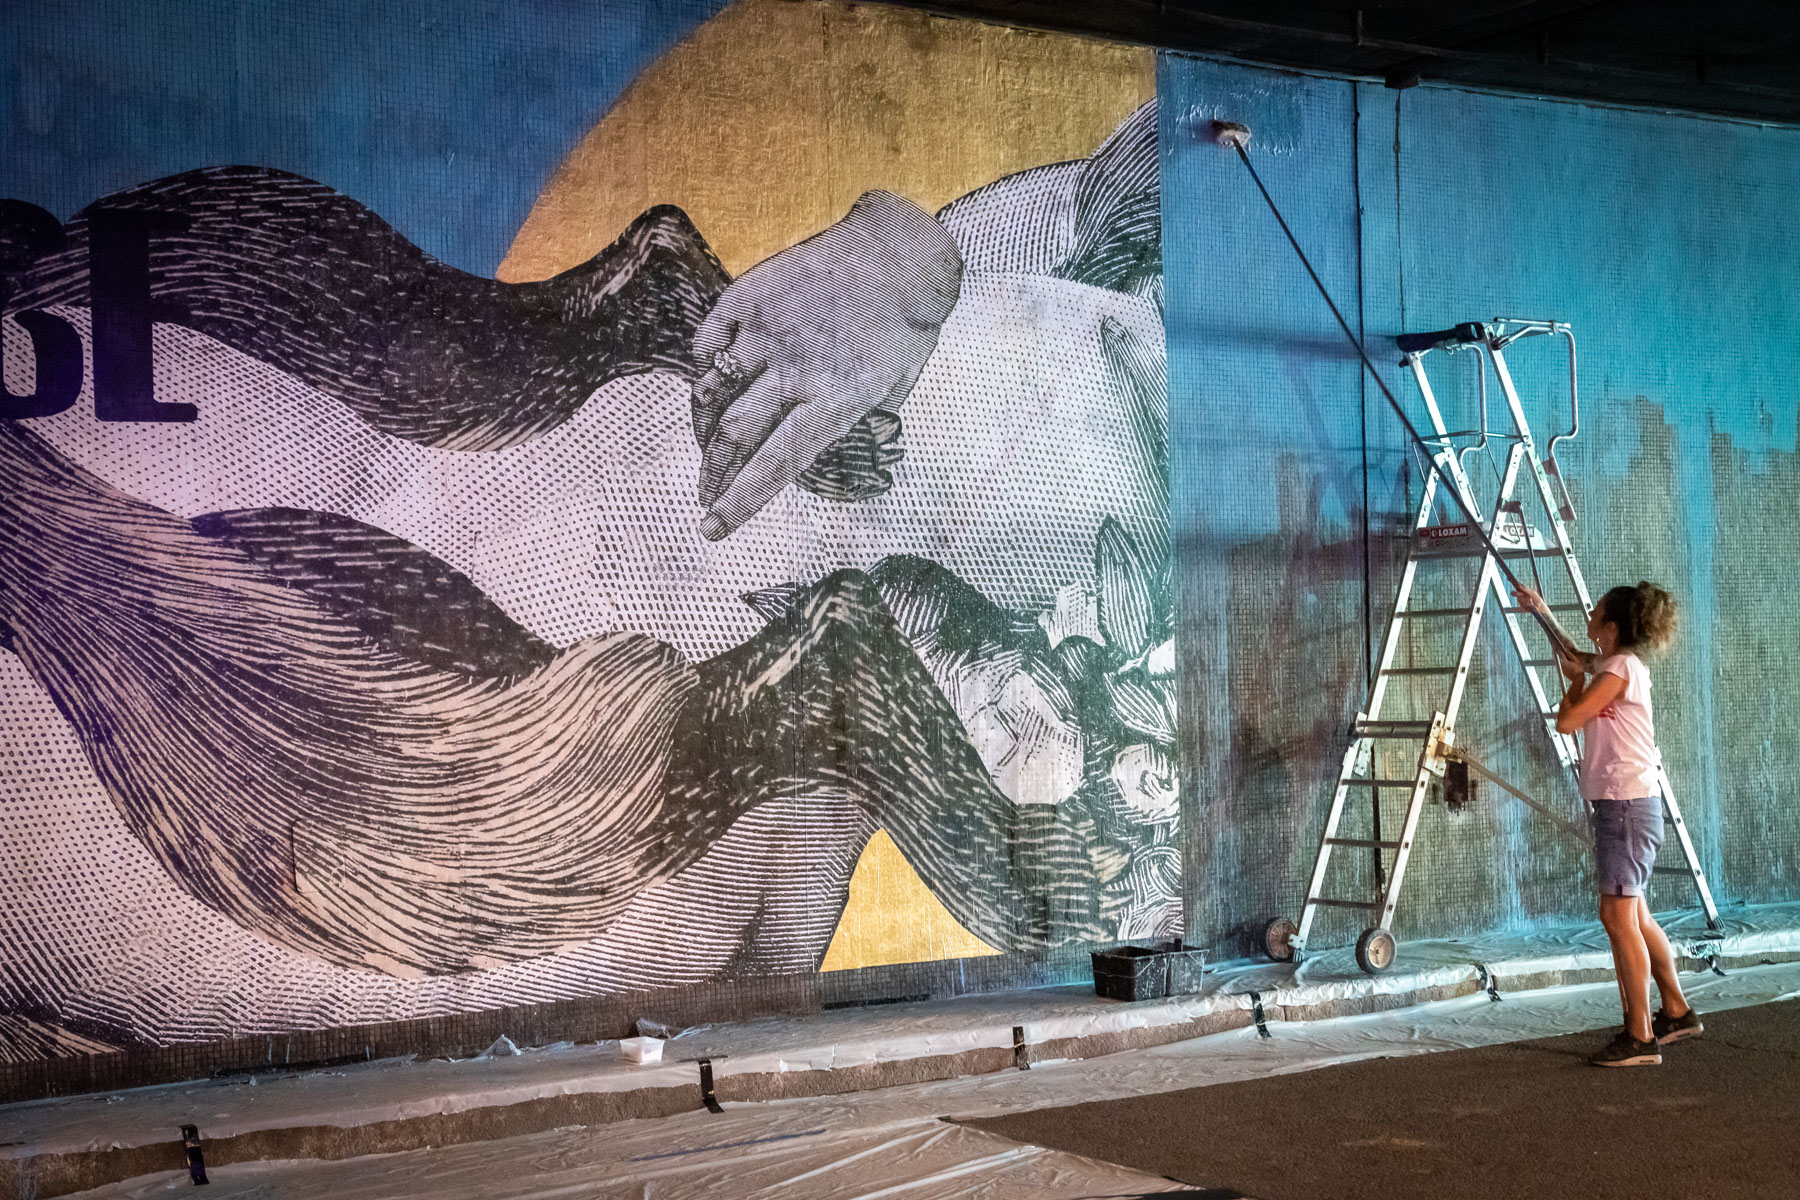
1278 939
1375 951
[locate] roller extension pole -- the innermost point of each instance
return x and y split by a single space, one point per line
1230 133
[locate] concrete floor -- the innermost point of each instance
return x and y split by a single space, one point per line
1719 1118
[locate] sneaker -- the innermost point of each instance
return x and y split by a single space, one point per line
1676 1029
1627 1051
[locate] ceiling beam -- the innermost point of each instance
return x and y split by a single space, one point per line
1401 53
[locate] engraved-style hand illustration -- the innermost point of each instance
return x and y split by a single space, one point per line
806 345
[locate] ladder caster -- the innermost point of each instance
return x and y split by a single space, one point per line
1375 951
1278 939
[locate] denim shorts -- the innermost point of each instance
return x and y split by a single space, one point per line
1627 835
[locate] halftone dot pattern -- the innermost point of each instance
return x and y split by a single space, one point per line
589 527
1018 379
1021 437
594 526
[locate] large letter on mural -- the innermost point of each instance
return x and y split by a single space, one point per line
28 232
119 279
57 351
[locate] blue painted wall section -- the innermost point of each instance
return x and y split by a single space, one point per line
432 116
1667 242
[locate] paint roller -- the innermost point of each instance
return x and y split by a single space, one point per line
1237 136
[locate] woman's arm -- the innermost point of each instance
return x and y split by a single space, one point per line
1586 698
1528 599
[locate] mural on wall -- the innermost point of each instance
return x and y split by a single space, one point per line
382 640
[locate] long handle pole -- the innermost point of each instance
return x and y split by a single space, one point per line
1556 636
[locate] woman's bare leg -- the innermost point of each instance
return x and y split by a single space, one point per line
1662 962
1631 959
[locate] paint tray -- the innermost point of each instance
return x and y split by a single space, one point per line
1148 972
641 1049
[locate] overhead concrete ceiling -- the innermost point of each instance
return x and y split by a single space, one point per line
1736 58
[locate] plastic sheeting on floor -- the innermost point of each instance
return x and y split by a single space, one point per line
892 1142
922 1159
402 1089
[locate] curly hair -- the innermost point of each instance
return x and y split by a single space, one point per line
1645 615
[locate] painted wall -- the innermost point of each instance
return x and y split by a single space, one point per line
1666 242
576 509
545 506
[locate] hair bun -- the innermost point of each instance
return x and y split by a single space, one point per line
1655 616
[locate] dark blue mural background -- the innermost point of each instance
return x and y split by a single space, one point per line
444 117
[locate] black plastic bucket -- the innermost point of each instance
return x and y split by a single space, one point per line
1148 972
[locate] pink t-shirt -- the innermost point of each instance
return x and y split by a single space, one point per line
1618 747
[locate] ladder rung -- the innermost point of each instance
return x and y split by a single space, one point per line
1421 555
1539 662
1513 608
1330 903
1392 729
1378 783
1420 671
1411 613
1670 871
1362 842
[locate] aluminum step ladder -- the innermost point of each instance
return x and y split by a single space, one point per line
1434 547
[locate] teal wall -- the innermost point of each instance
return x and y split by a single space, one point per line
1667 242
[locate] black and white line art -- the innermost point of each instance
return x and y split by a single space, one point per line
482 644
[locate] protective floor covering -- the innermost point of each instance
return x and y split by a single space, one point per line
891 1142
921 1160
1529 1120
399 1089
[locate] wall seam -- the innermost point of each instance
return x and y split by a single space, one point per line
1362 418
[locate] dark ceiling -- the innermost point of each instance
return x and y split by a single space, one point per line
1738 58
